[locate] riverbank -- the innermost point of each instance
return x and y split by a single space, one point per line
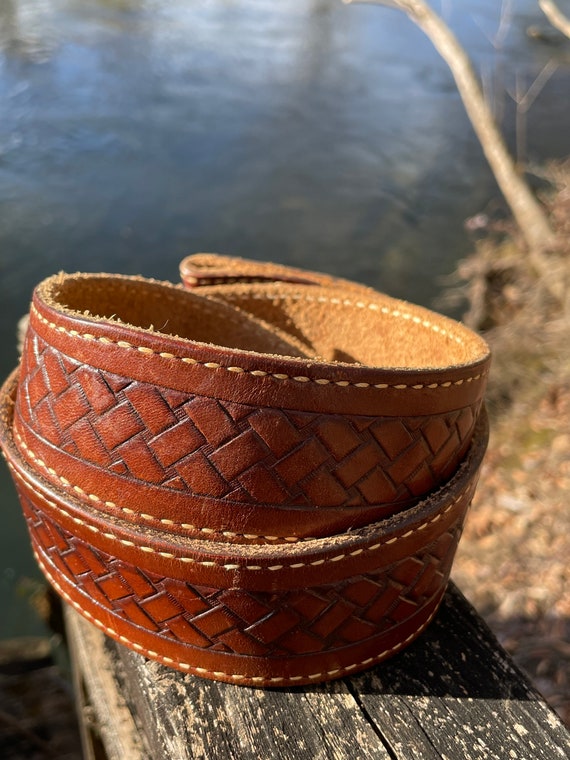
513 558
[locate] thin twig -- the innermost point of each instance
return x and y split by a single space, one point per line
555 16
537 86
505 20
530 216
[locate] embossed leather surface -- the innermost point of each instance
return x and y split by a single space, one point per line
261 480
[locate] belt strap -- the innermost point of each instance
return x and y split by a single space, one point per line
260 479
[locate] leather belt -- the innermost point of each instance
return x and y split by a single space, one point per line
261 478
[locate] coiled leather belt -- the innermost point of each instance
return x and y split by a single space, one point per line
261 478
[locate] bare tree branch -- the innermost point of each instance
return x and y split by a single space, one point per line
505 20
555 16
528 213
524 101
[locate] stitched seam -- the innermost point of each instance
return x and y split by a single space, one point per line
397 313
218 673
68 485
236 566
254 372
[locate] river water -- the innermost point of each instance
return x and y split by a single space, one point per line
133 132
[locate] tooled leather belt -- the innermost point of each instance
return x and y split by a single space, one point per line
260 478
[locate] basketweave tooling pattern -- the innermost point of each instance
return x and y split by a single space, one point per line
292 622
231 450
216 501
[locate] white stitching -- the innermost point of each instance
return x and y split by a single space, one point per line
220 674
150 518
255 373
398 313
212 563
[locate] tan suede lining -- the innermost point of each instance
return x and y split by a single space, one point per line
162 308
337 319
330 323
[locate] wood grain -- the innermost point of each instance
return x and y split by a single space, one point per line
453 694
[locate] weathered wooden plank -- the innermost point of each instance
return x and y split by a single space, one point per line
456 694
104 716
185 717
453 694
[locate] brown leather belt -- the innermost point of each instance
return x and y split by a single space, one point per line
260 480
